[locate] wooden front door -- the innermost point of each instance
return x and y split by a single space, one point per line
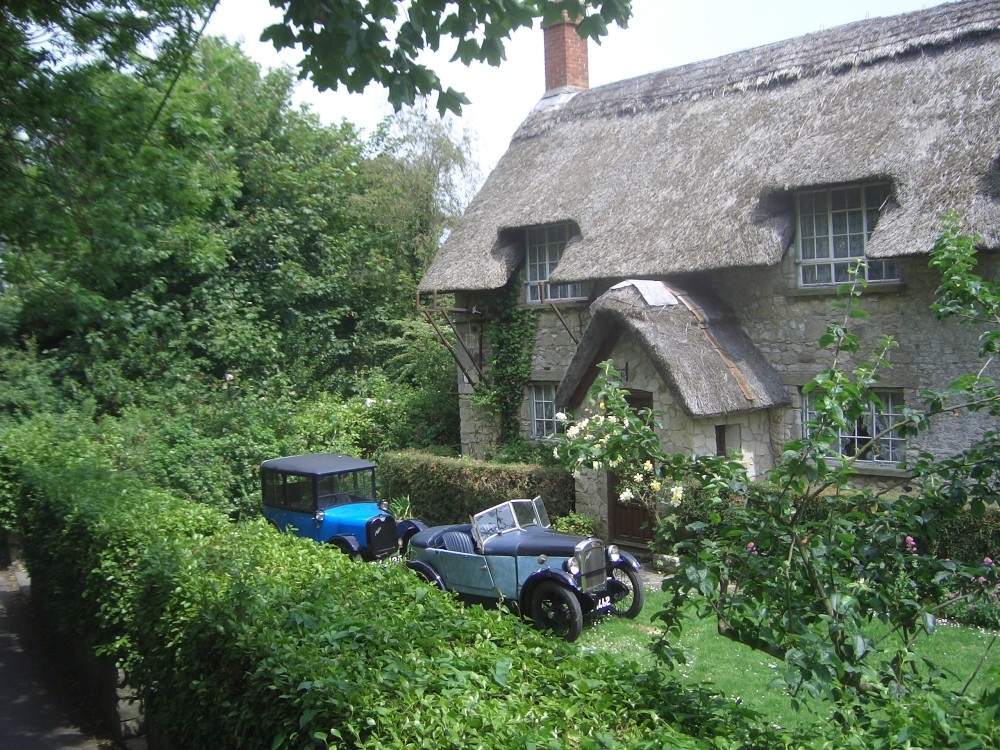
629 523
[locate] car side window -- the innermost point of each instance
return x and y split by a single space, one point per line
298 493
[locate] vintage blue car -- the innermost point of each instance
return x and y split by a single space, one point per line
331 499
509 553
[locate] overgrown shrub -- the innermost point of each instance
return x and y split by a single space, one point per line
237 636
449 490
969 536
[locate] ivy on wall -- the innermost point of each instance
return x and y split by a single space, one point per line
512 335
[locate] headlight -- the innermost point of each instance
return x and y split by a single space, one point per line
383 505
572 566
320 516
613 554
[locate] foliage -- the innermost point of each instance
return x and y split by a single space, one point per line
196 241
449 490
928 718
217 233
354 43
206 445
518 450
28 384
422 375
574 523
799 564
616 437
114 31
236 636
512 334
967 536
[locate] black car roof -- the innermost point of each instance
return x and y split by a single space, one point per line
316 464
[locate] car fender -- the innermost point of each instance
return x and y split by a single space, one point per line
426 572
346 543
627 560
406 529
545 574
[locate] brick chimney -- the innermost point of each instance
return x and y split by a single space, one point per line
566 63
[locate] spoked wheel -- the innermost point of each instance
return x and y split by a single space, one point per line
628 603
555 609
426 576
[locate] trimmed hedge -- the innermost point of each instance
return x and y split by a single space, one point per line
970 538
237 636
449 490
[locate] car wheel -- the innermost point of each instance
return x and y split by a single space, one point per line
555 609
426 577
628 603
343 547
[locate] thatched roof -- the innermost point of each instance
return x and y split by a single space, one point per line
694 168
691 339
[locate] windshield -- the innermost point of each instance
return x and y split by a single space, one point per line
513 514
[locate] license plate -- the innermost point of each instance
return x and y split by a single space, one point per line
603 603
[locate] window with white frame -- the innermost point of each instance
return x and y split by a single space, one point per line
544 247
543 410
834 226
886 409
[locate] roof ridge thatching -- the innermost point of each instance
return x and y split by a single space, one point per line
694 169
830 51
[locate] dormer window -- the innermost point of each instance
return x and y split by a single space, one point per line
544 247
834 226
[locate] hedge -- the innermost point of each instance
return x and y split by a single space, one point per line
449 490
237 636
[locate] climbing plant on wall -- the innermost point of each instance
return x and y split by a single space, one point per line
512 333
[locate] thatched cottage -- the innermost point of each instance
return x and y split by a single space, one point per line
693 225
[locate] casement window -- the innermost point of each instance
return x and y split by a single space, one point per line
833 228
543 248
543 409
888 448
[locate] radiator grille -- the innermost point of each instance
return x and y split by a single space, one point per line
382 540
590 556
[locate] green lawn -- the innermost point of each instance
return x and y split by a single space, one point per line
739 672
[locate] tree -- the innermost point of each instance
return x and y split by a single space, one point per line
800 564
354 43
344 42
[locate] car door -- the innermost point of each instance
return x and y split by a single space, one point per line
466 573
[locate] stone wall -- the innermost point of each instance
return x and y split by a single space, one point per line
552 350
786 323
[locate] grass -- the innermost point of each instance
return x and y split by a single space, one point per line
741 673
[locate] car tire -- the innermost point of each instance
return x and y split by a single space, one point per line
343 547
630 605
426 577
555 609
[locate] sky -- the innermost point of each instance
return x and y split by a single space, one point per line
661 34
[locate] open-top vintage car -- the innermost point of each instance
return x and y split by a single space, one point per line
510 553
332 499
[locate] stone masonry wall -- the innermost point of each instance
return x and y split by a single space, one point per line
786 323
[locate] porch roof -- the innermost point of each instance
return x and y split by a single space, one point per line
693 342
